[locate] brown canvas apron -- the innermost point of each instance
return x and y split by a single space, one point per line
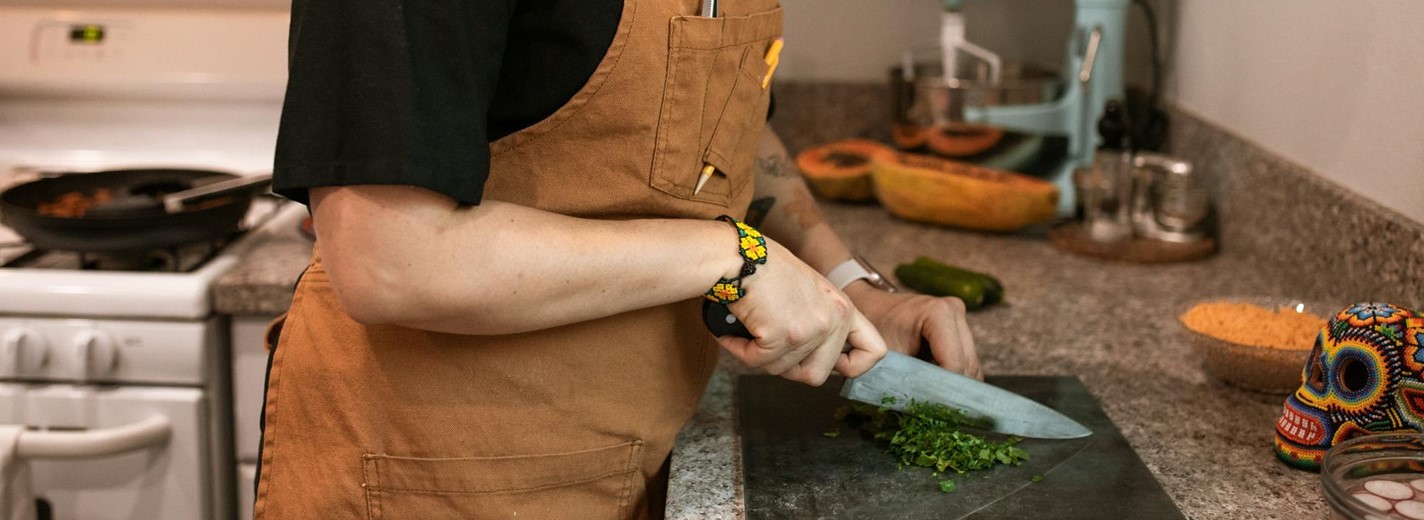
571 422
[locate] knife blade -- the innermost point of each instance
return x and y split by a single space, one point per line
905 378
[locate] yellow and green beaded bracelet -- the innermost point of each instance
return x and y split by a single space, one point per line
752 248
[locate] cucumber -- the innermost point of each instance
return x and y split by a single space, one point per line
993 290
935 282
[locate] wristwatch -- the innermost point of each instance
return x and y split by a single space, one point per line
858 269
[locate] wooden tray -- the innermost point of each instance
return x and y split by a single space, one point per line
1073 238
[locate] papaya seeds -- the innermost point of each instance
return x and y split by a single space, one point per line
840 170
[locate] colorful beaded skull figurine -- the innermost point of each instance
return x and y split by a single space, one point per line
1364 376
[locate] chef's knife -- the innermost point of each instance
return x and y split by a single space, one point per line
905 378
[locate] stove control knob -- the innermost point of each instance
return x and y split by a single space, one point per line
95 352
22 352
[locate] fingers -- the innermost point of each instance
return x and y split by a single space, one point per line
968 354
867 347
816 367
948 333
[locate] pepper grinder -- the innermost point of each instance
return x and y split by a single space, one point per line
1106 188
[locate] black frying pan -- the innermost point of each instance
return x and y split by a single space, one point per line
19 211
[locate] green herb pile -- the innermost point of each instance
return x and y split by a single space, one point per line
928 435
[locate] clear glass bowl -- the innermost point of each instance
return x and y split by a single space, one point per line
1349 465
1260 369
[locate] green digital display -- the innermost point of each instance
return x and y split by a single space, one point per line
88 34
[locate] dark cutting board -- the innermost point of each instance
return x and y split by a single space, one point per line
792 471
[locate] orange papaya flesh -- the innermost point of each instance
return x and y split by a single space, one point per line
929 189
909 136
841 170
963 139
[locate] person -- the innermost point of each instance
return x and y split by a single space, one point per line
501 314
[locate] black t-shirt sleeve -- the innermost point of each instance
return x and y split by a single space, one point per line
390 92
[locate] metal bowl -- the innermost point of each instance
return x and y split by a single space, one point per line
1268 370
1020 84
923 97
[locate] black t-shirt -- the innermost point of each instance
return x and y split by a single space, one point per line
412 92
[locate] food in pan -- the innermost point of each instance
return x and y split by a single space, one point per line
74 204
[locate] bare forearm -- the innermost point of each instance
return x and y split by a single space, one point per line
788 212
409 257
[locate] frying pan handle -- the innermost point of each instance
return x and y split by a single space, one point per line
174 203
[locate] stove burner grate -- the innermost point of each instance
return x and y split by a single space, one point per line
177 259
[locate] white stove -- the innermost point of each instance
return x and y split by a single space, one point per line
115 365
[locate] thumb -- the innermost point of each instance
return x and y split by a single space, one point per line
740 348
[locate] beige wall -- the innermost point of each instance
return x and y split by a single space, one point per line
1336 86
858 40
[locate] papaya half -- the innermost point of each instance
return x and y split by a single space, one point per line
963 139
925 188
841 170
909 136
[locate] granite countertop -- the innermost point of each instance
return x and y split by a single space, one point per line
263 283
1111 325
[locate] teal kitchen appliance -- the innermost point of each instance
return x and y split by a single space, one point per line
1047 119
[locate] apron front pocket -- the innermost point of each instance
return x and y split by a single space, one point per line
589 484
710 99
734 141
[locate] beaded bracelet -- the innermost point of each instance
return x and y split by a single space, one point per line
752 248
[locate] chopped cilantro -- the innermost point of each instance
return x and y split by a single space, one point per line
946 486
928 435
1037 477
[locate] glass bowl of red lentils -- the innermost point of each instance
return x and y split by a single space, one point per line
1254 342
1376 477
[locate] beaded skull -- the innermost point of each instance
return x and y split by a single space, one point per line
1364 376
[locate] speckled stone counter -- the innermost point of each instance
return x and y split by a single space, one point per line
1109 324
262 284
1284 231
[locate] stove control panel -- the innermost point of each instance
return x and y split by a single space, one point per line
142 53
79 40
22 350
107 351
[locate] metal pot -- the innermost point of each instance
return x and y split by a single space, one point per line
923 97
217 219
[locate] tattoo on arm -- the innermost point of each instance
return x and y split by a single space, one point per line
758 211
776 165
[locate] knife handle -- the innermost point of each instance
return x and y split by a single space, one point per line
721 322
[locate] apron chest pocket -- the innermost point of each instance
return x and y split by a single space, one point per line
713 103
593 484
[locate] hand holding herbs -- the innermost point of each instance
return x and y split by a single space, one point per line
928 435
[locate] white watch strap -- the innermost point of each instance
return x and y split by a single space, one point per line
847 272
